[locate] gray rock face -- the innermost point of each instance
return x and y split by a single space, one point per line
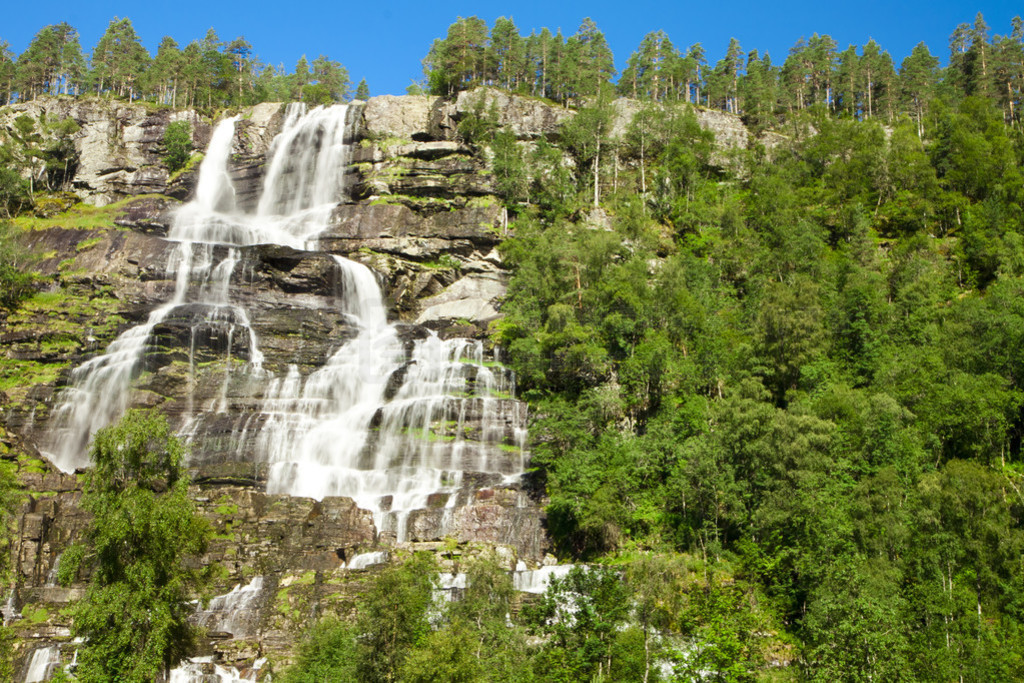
406 117
474 298
730 133
527 117
119 145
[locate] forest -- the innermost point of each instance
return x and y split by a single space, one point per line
777 393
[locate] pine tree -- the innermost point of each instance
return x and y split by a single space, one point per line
1008 69
459 61
216 70
696 61
166 72
821 54
592 63
7 73
847 79
240 53
733 63
362 90
919 74
957 71
872 68
796 75
976 64
333 77
300 78
192 71
506 55
758 92
649 72
118 60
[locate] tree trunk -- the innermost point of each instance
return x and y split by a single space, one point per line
643 164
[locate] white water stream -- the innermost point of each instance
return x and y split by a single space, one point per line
394 431
42 664
204 670
235 612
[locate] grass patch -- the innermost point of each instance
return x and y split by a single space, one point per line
226 507
88 243
35 615
192 163
22 374
82 216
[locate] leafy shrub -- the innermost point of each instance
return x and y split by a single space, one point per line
178 142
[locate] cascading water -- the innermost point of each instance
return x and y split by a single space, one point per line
100 388
392 424
43 663
235 612
204 670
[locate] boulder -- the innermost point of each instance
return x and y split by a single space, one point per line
398 116
474 298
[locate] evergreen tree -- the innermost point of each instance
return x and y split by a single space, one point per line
506 56
874 68
1007 68
821 56
796 74
593 64
919 75
8 70
848 101
957 73
118 60
976 60
758 92
733 64
300 78
53 63
243 63
459 61
362 90
650 73
166 72
333 78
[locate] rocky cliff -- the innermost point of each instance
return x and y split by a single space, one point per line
420 211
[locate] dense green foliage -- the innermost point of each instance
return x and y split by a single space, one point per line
15 280
595 624
393 618
134 615
800 368
11 499
178 143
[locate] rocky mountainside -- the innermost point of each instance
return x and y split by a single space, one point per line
419 209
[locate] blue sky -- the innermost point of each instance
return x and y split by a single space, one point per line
384 42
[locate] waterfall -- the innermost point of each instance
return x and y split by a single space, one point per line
394 424
364 560
100 388
43 663
204 670
236 612
538 580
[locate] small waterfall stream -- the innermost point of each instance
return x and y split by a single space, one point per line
42 665
393 427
